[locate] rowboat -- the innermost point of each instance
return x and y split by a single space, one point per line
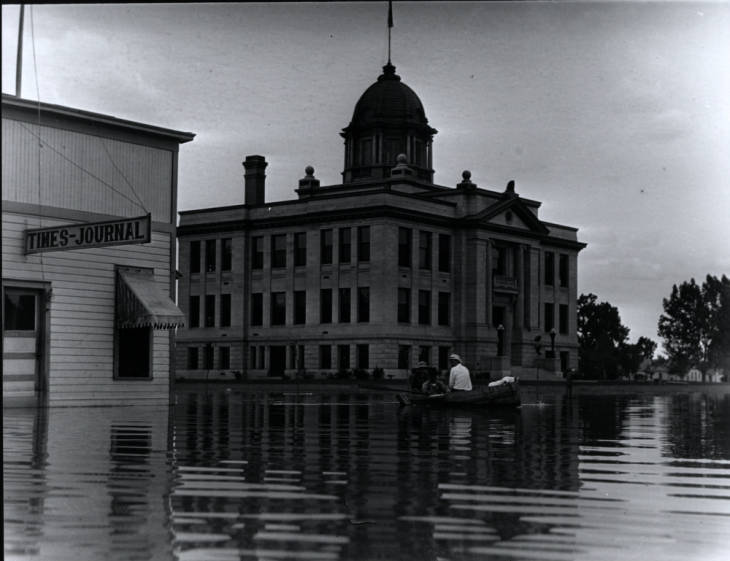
500 394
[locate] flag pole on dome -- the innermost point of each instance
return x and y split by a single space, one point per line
390 24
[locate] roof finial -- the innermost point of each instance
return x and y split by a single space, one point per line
390 25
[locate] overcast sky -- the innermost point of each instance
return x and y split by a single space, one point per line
615 115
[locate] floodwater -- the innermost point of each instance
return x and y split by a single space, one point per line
229 474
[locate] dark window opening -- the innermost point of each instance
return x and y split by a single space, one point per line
563 271
210 260
300 307
363 356
404 357
325 305
444 253
325 356
224 357
226 254
424 307
563 319
20 311
192 358
404 247
194 311
210 311
549 268
195 257
278 308
134 352
325 247
549 316
343 357
344 303
444 308
424 250
404 305
444 353
225 310
345 245
278 251
257 309
363 304
363 244
300 249
257 252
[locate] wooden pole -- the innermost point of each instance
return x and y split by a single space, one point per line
19 59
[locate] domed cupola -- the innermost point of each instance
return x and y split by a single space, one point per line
388 120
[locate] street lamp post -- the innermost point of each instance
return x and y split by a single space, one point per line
552 343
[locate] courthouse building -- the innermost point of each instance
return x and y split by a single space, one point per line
383 270
89 204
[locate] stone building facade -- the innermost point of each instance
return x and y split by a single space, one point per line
383 270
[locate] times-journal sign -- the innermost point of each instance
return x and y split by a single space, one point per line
94 234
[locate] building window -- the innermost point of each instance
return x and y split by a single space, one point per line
226 254
257 252
224 357
194 311
500 265
549 268
424 307
497 316
345 245
195 257
278 308
325 356
444 308
278 251
343 357
424 354
404 357
325 305
210 255
549 316
208 357
300 249
404 305
405 236
444 357
563 319
300 307
363 244
363 356
192 358
225 310
253 356
209 311
325 247
424 250
134 352
365 149
444 253
344 303
257 309
563 270
363 304
262 357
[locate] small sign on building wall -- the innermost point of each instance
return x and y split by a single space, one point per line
91 234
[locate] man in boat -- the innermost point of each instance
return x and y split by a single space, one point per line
433 385
459 378
419 375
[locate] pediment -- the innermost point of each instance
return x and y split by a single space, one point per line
510 213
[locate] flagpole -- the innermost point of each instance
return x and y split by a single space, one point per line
390 24
19 60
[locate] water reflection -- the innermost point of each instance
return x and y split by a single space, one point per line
262 475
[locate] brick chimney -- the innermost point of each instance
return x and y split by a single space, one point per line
255 178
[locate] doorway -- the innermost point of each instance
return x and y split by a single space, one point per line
23 345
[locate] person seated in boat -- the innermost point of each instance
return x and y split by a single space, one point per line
433 385
459 377
418 376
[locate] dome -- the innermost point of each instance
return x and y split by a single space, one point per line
388 101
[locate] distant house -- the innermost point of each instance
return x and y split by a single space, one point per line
715 375
694 375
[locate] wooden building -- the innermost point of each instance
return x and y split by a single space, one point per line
383 270
88 252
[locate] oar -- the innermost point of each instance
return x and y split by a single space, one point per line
386 389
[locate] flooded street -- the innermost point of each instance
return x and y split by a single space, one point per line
228 474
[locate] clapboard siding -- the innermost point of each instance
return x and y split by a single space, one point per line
118 169
81 365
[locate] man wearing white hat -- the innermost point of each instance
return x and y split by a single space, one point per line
459 378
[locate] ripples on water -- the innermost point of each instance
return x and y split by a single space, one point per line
226 475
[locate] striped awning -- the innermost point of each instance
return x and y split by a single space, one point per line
142 303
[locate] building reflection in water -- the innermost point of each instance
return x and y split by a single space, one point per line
257 475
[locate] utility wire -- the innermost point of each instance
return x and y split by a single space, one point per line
82 168
141 203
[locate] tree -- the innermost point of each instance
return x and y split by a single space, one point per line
633 355
695 325
601 338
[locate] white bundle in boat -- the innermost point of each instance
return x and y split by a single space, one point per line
502 381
